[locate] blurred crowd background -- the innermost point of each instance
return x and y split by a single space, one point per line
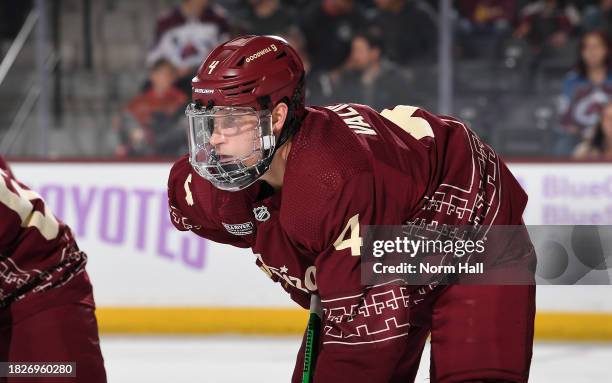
111 78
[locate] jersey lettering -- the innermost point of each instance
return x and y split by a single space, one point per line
352 119
307 285
188 195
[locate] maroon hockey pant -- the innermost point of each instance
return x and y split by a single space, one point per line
477 332
65 333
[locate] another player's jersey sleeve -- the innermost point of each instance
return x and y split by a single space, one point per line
22 209
37 251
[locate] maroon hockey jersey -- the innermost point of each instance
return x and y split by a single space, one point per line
350 166
38 253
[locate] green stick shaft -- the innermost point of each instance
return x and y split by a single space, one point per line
312 340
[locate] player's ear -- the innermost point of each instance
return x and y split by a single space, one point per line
279 115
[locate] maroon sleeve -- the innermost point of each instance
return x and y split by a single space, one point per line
38 250
26 220
228 218
283 260
198 206
358 321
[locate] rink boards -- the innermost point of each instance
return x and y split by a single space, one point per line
148 277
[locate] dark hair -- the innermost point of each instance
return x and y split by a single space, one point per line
373 36
599 137
161 62
581 65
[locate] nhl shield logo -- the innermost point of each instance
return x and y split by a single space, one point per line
261 213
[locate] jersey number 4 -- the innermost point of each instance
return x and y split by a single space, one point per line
354 241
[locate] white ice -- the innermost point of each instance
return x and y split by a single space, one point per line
233 359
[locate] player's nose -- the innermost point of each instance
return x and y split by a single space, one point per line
216 138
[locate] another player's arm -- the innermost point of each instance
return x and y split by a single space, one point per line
22 209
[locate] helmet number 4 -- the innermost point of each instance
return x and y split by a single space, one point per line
354 241
212 66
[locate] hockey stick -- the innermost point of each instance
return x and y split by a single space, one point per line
312 339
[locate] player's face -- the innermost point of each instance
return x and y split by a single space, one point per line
198 4
594 50
163 77
235 137
360 53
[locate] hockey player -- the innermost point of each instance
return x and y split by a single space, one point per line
296 184
46 299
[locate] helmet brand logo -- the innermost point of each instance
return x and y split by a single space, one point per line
258 54
204 91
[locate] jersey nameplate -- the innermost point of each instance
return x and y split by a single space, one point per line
352 118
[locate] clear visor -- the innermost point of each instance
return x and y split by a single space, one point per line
226 142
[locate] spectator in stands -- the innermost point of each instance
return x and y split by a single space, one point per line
150 125
547 24
483 26
370 79
486 16
266 17
409 29
186 34
585 90
319 84
598 18
598 147
329 26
